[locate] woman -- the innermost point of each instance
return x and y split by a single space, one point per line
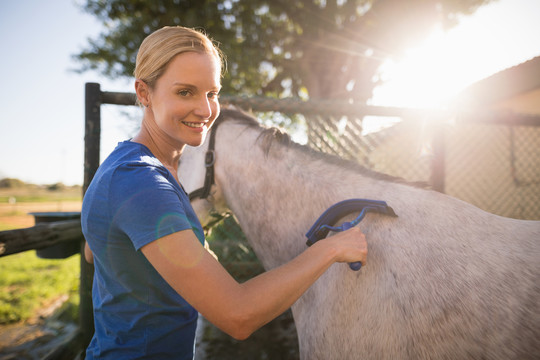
152 272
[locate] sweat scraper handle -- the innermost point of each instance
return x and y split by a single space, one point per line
357 265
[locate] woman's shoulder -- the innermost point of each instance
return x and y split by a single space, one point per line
131 164
132 169
132 156
130 151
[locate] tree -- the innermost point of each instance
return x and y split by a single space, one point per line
316 48
11 183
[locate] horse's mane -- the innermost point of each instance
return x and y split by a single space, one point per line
270 135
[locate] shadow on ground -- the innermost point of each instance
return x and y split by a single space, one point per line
277 340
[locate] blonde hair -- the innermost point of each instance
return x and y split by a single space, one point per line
160 47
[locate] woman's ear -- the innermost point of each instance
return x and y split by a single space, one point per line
142 91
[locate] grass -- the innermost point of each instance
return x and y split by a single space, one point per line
36 198
39 194
28 283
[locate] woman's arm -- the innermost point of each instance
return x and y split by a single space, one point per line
240 309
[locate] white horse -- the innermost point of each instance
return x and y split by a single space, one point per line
444 279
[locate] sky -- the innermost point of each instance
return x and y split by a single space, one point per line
42 98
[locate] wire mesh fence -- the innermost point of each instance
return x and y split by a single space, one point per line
489 160
496 167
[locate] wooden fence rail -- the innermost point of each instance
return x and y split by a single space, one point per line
40 236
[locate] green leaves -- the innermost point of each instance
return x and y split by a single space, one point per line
317 46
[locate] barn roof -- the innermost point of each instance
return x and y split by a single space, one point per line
503 85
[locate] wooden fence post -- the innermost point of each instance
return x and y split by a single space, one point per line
92 130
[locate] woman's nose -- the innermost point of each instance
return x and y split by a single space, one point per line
204 108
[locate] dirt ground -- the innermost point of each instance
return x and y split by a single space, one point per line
37 337
18 214
277 340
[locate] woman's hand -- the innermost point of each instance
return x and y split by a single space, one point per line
350 246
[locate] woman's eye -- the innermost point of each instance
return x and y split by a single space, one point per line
213 95
183 92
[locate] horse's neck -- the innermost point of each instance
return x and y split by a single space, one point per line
276 197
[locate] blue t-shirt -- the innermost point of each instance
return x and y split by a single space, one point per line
132 201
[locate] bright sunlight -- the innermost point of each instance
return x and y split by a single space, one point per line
425 78
487 42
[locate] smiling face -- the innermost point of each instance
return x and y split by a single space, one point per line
183 103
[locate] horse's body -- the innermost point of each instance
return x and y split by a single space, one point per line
444 280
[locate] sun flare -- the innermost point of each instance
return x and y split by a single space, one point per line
426 77
429 75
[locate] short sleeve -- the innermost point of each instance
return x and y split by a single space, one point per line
145 204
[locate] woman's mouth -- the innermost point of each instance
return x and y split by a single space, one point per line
195 125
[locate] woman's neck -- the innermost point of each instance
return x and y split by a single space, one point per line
165 152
